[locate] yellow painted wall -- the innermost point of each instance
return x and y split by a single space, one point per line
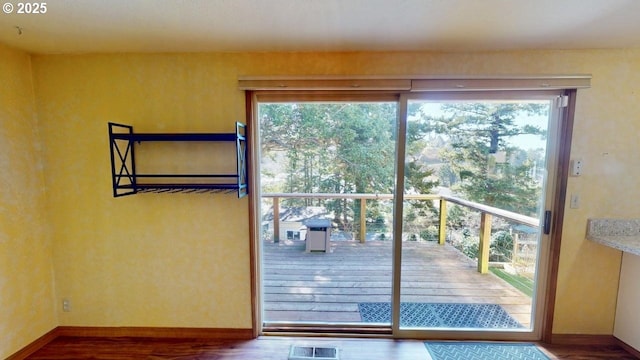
178 260
26 267
183 260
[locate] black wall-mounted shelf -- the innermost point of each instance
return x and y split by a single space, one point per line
126 181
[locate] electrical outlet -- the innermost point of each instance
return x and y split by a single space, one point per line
66 305
576 167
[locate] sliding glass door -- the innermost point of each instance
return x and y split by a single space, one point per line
411 215
327 183
475 173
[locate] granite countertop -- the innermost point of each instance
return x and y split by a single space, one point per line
621 234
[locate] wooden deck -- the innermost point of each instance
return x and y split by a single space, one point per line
327 287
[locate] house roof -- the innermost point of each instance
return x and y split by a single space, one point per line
299 213
90 26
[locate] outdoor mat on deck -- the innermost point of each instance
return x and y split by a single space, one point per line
440 315
442 350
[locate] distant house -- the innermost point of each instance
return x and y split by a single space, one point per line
292 220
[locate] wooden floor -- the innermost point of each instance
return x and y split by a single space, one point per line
327 287
273 348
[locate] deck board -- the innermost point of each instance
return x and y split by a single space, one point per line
327 287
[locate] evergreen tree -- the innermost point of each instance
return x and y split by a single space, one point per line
333 148
491 169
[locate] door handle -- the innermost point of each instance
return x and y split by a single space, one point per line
547 222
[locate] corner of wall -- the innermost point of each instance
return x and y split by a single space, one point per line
26 264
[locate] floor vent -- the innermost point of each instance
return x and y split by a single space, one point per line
313 352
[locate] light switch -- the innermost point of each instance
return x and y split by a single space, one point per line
575 201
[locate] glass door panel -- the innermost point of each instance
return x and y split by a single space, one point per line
326 182
474 194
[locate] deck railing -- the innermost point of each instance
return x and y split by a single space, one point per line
486 216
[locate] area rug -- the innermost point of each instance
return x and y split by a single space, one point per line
443 350
441 315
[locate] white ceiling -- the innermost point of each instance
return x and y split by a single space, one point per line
87 26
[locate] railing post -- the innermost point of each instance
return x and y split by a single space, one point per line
363 220
442 231
276 219
485 242
514 255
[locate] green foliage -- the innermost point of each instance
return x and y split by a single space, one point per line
491 170
350 148
458 217
501 246
521 283
470 246
430 233
337 148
